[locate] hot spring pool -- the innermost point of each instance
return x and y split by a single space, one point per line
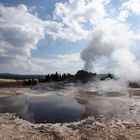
56 109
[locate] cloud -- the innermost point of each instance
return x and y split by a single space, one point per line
81 19
70 18
68 63
20 31
123 15
132 5
107 35
80 10
22 66
77 19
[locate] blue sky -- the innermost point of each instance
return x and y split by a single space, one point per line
44 36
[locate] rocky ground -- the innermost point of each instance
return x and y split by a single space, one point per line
13 128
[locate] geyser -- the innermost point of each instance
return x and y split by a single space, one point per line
96 49
117 51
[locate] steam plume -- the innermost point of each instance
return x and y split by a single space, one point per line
117 50
96 49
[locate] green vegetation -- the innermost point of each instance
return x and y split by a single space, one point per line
30 82
55 77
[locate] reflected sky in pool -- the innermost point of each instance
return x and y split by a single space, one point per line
56 109
43 109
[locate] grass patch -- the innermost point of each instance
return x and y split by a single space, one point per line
11 83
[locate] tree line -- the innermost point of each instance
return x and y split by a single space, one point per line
54 77
80 76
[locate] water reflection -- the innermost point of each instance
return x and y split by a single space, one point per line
17 104
54 109
98 106
51 109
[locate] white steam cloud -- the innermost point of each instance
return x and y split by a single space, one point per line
127 68
115 43
96 49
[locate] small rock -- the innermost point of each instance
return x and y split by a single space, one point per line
121 137
99 124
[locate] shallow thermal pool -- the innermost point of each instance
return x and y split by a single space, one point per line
60 109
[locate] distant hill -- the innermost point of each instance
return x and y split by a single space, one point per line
20 76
